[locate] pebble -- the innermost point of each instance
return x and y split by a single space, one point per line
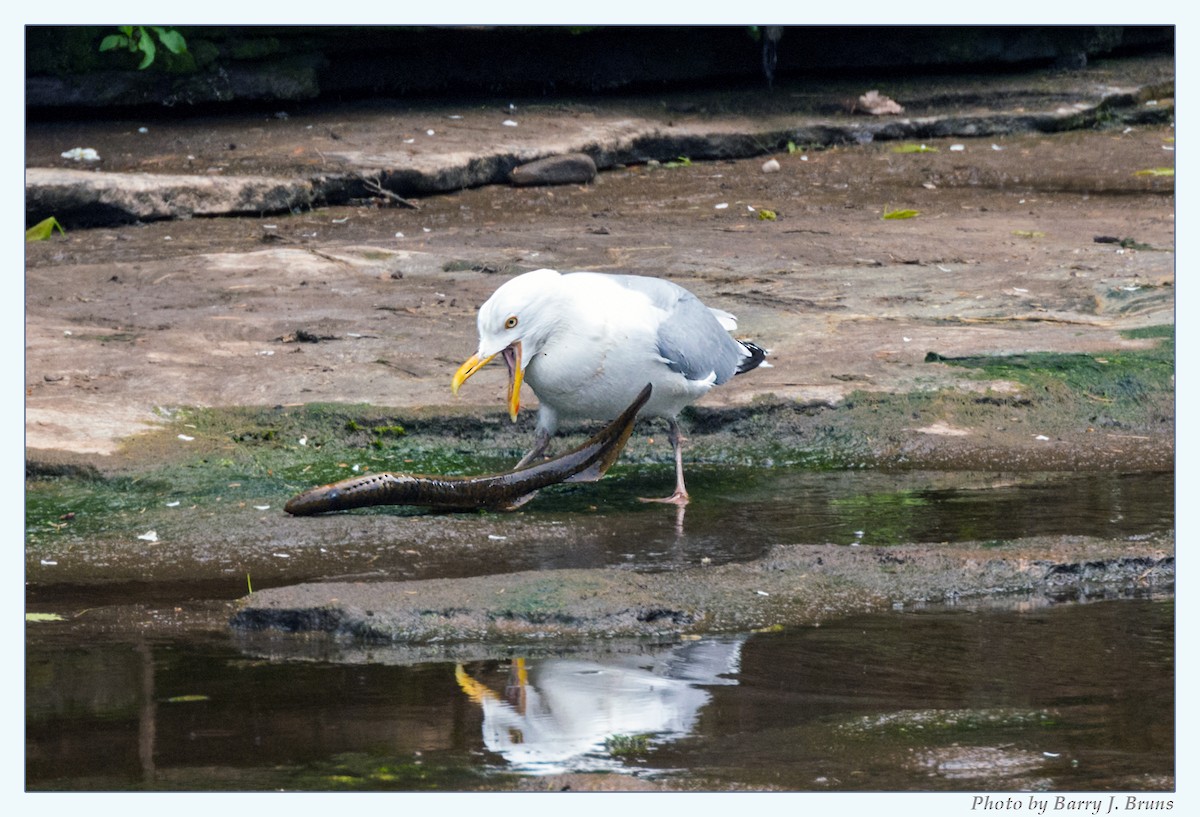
771 166
82 154
567 168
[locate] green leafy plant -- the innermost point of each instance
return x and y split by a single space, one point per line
891 215
44 229
142 38
911 148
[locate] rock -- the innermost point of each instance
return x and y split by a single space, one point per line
100 198
791 586
770 166
877 104
568 168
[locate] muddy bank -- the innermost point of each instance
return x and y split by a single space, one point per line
372 303
792 586
185 377
480 616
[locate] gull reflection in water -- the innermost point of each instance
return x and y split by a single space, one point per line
561 714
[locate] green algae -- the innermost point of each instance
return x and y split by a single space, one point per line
1116 387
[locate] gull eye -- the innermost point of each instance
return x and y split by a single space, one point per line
511 322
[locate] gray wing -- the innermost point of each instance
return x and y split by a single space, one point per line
691 339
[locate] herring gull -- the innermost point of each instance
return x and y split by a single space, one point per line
588 342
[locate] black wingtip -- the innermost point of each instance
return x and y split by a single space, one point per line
757 356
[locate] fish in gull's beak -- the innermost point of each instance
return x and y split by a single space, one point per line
512 359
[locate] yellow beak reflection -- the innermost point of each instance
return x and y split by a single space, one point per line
512 357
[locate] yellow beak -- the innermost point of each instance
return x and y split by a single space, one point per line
512 356
469 368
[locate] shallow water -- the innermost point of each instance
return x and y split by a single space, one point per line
741 513
1002 695
1052 697
738 514
746 511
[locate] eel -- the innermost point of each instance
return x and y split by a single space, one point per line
504 491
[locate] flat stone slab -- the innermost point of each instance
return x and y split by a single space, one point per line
793 585
84 196
326 155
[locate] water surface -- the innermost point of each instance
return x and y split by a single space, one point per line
1008 694
1053 697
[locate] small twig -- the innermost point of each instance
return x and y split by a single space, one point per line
374 186
328 257
283 239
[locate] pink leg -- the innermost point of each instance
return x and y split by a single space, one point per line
680 497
